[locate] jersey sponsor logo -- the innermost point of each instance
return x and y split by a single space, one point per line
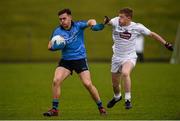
125 35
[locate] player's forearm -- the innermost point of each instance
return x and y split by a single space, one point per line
94 25
157 37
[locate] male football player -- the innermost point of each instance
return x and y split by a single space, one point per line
125 33
73 58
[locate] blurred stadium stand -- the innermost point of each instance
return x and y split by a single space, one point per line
25 27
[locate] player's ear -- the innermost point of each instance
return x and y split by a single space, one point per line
70 17
129 18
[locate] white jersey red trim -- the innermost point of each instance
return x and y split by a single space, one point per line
125 38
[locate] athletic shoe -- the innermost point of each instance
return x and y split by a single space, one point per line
102 111
128 104
52 112
113 102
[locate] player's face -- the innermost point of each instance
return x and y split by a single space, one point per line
65 20
124 20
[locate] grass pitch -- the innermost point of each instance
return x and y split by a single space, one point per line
25 92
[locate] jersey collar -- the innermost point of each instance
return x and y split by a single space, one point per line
72 24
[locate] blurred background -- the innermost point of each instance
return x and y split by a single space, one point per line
26 26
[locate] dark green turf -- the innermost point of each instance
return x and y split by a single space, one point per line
25 92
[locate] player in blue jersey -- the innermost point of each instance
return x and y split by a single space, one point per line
73 58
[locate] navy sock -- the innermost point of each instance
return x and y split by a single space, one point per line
55 104
99 104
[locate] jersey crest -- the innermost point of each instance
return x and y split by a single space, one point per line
125 35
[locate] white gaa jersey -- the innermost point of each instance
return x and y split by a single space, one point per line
125 38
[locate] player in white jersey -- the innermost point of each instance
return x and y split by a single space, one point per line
125 33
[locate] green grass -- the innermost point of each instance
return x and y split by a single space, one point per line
25 26
25 92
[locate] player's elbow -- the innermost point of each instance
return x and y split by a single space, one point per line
151 34
155 36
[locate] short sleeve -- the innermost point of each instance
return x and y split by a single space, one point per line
114 21
82 24
143 30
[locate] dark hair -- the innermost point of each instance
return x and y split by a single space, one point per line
66 10
127 11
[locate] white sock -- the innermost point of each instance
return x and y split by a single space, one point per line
117 96
127 96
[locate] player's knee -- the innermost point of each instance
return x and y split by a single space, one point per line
115 79
125 74
56 81
88 84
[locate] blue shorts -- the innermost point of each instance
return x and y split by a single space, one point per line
77 65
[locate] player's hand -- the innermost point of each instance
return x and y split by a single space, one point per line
106 20
49 45
169 46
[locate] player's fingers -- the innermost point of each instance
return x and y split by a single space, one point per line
106 19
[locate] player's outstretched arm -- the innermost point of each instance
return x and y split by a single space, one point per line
94 25
91 22
157 37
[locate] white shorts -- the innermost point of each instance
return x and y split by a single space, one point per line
117 62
